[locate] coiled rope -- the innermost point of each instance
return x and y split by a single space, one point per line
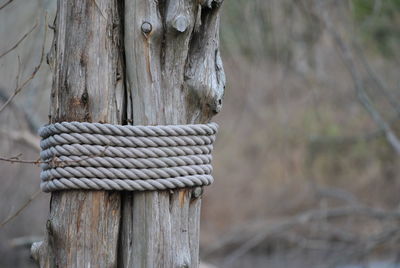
96 156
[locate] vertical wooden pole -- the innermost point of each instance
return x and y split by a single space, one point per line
174 76
88 85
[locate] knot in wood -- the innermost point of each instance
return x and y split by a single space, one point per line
197 192
146 27
180 23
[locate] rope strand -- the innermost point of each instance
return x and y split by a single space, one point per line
96 156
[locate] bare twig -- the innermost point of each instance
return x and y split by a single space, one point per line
5 4
21 114
33 74
16 160
18 72
55 161
16 213
19 41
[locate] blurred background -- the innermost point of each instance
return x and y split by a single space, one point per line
307 158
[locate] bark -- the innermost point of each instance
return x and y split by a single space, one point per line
82 230
173 75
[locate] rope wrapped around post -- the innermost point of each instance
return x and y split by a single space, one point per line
95 156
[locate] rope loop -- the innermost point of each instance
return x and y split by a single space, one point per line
95 156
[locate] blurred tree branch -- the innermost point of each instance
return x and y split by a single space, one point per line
2 54
31 76
362 96
20 209
5 4
25 136
250 239
17 160
379 82
321 16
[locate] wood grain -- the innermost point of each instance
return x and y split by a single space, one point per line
82 230
174 76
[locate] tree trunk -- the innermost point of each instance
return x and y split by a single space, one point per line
174 75
88 85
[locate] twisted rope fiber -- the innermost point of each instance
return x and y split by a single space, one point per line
96 156
138 163
123 173
98 150
125 185
97 139
137 131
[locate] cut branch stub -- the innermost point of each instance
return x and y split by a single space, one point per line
146 27
204 58
183 72
180 23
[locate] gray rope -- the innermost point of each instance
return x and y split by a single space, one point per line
96 156
98 139
137 131
98 150
138 163
125 185
123 173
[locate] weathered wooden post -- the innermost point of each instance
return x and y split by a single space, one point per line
88 85
171 74
180 81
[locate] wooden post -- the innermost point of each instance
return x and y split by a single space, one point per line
88 85
174 75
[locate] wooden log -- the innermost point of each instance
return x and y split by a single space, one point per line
88 85
174 76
